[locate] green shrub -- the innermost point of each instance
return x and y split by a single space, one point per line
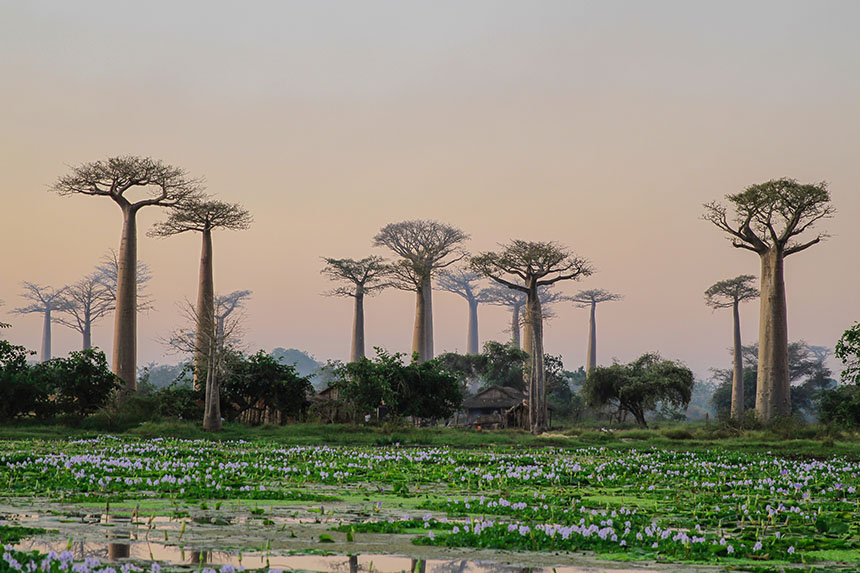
678 434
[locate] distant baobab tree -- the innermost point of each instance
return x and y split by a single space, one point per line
464 283
424 247
516 301
358 279
590 299
108 272
203 216
227 304
768 217
94 296
163 186
527 266
45 301
729 294
89 300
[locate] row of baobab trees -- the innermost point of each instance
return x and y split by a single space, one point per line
767 220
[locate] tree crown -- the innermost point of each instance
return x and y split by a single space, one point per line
586 298
425 244
769 215
727 293
44 298
545 263
463 282
201 216
363 277
165 185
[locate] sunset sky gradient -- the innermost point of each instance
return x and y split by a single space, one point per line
601 125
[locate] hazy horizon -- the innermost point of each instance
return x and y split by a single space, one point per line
602 126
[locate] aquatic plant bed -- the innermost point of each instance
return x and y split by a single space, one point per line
201 504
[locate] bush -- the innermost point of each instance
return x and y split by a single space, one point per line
840 407
678 434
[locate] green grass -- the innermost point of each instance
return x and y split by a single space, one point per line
681 437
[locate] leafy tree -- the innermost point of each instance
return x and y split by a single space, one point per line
81 383
464 283
419 389
527 266
360 278
840 407
768 218
848 351
164 186
730 293
424 247
590 299
45 301
260 381
18 394
639 386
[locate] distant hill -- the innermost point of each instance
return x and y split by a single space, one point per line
305 364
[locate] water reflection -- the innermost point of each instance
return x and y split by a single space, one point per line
356 563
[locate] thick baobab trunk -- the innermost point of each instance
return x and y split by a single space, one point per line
472 341
591 359
738 369
419 339
205 311
428 319
45 354
535 368
125 320
212 399
357 350
772 392
515 327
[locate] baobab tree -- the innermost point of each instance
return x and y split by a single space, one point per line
516 301
89 300
730 293
590 299
203 217
527 266
358 279
424 247
162 186
45 301
94 296
227 304
464 283
768 218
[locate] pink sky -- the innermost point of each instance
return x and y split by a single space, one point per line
603 126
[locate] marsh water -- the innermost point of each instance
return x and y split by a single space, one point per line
298 539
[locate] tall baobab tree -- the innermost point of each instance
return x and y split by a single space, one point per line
360 278
424 247
768 218
162 186
45 301
590 299
527 266
227 304
730 293
516 301
464 283
203 217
